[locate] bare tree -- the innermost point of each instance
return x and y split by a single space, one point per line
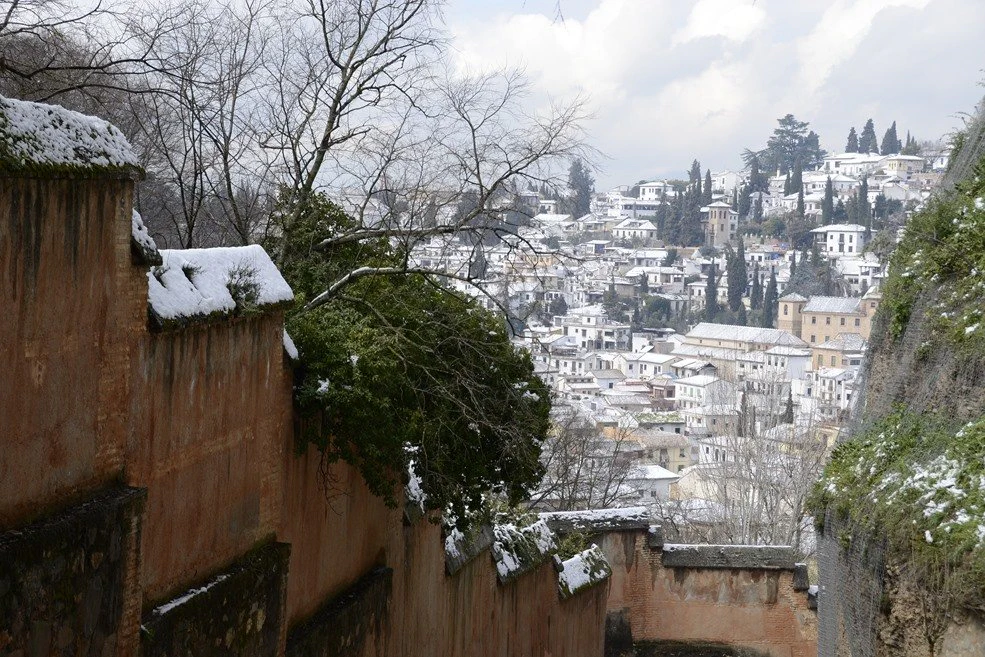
584 469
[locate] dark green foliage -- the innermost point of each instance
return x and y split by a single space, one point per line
791 141
800 202
910 146
398 362
770 302
758 181
914 480
706 190
670 259
756 294
890 142
558 307
582 186
828 205
867 142
736 265
852 145
711 294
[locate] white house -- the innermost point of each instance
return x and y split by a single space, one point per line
836 239
701 390
635 228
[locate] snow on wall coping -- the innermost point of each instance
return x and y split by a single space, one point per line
461 549
752 557
141 243
582 571
202 284
515 551
36 137
289 348
628 518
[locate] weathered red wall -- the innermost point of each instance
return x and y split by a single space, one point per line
69 314
209 415
749 607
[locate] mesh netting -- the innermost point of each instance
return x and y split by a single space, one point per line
850 556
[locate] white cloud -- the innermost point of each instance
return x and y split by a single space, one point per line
670 81
731 19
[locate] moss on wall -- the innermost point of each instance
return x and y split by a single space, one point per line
63 579
346 623
237 612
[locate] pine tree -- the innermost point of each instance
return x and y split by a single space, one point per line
756 295
868 142
828 205
890 142
706 190
769 302
711 295
852 145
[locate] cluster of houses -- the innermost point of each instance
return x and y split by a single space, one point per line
678 405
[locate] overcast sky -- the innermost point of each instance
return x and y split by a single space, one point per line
673 80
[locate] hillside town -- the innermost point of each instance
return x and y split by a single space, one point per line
708 413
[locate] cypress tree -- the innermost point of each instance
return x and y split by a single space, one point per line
828 205
890 142
711 295
852 145
793 265
800 202
864 212
740 317
757 215
736 263
706 195
787 187
769 302
756 295
868 142
797 180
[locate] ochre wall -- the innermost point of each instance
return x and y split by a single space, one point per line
68 319
749 607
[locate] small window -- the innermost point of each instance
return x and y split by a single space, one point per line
827 321
842 321
813 339
858 322
813 319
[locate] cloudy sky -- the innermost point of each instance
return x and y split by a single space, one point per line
672 80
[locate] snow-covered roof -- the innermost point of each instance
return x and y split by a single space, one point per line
699 380
709 331
651 472
834 305
793 296
36 136
844 228
788 351
197 284
844 342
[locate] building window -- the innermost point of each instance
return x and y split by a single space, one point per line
813 319
832 364
784 309
813 339
842 321
858 322
827 320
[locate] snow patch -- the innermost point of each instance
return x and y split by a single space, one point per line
35 134
182 599
583 570
199 283
289 348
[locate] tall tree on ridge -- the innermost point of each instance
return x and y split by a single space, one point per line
756 294
890 142
868 142
852 145
582 186
706 190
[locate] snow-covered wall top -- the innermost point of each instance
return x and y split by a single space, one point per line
627 518
142 243
517 550
203 284
582 571
35 137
